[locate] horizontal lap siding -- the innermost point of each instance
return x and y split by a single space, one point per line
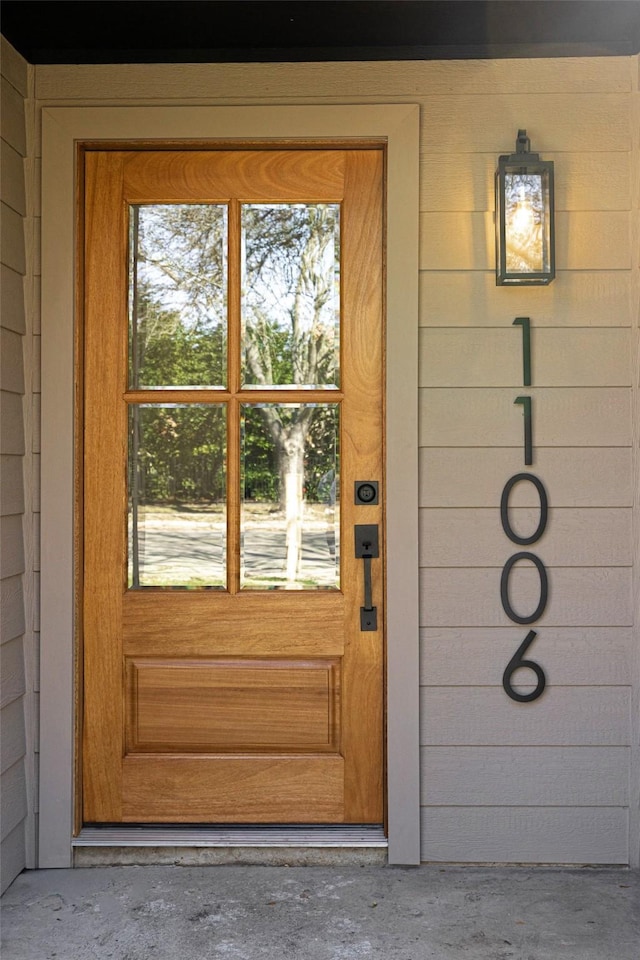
525 834
573 656
589 537
578 596
583 181
564 417
546 781
574 476
572 716
599 298
13 701
250 83
585 240
490 357
498 776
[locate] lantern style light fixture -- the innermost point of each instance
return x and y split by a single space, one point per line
525 242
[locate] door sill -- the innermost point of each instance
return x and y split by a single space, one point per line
291 844
252 835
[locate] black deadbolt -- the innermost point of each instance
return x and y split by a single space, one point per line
366 491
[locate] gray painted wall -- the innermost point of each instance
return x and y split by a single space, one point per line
17 765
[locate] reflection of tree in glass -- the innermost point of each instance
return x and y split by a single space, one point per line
176 459
171 353
290 302
260 475
290 314
290 329
310 474
180 453
178 296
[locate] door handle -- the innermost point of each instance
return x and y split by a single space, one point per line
367 548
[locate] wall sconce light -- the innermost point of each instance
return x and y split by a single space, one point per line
525 241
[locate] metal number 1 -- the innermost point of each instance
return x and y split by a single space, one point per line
525 323
528 433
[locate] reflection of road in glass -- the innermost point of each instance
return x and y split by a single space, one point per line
185 547
182 547
264 548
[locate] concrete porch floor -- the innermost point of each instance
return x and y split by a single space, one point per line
431 912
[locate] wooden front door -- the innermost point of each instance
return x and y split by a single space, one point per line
233 402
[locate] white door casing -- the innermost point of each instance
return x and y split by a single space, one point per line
63 127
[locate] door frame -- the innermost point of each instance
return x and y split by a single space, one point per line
62 129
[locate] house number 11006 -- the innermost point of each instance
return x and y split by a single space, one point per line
518 660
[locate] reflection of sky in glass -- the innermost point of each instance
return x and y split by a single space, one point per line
291 294
181 256
526 229
177 294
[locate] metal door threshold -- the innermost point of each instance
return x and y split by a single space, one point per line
282 835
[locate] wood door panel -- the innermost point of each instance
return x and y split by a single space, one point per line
363 417
206 705
246 175
362 717
175 622
247 790
230 706
104 488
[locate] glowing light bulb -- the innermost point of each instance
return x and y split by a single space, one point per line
523 235
522 218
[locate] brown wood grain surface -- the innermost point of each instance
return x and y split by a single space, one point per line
230 705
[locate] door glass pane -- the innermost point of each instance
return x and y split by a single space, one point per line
176 498
291 295
177 295
290 496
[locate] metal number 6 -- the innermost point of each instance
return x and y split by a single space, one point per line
516 663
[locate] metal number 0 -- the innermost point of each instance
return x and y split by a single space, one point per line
504 507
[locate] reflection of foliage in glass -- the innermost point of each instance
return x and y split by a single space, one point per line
291 336
322 456
291 314
290 305
172 354
180 453
177 295
259 461
261 477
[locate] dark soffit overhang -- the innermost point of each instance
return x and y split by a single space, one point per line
206 31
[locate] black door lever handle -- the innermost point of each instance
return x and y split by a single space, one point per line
366 548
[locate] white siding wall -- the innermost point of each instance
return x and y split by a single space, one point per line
17 712
555 780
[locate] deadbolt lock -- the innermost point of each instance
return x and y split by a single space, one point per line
366 492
